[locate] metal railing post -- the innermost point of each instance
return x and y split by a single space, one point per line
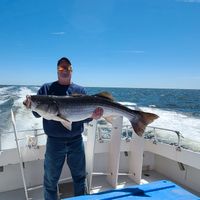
19 153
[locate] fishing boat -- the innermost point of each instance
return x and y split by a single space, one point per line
143 53
116 159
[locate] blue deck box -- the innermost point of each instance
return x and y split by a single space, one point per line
165 190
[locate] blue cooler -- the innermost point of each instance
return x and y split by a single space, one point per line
165 190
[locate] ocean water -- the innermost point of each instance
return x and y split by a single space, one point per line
178 109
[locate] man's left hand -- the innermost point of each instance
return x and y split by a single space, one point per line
98 113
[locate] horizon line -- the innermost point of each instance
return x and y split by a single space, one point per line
109 87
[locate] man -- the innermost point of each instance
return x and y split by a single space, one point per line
61 143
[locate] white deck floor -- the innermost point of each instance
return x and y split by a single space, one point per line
99 184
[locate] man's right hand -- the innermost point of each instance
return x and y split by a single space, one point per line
27 101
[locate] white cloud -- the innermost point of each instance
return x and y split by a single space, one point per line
132 51
58 33
195 77
190 1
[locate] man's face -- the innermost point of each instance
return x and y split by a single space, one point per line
64 70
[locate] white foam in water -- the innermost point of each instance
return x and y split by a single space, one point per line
128 103
23 116
4 89
4 94
152 106
189 127
3 101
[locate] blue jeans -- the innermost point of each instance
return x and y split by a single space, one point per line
57 150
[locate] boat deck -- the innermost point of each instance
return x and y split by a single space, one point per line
99 184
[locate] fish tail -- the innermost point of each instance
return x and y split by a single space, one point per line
140 124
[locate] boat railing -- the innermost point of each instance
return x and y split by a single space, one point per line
31 135
103 134
35 130
127 134
178 134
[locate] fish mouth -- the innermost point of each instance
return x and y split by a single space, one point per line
27 102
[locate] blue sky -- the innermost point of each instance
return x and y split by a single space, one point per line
113 43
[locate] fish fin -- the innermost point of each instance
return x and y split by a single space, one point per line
109 119
77 95
144 119
67 124
105 95
59 116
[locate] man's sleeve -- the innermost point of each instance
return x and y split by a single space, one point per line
87 120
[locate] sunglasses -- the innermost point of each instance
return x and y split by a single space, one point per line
64 68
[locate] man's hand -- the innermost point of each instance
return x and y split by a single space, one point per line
98 113
27 101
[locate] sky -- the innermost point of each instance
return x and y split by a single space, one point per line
111 43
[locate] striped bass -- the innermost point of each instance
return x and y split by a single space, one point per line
68 109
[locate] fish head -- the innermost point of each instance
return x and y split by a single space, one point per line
41 104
